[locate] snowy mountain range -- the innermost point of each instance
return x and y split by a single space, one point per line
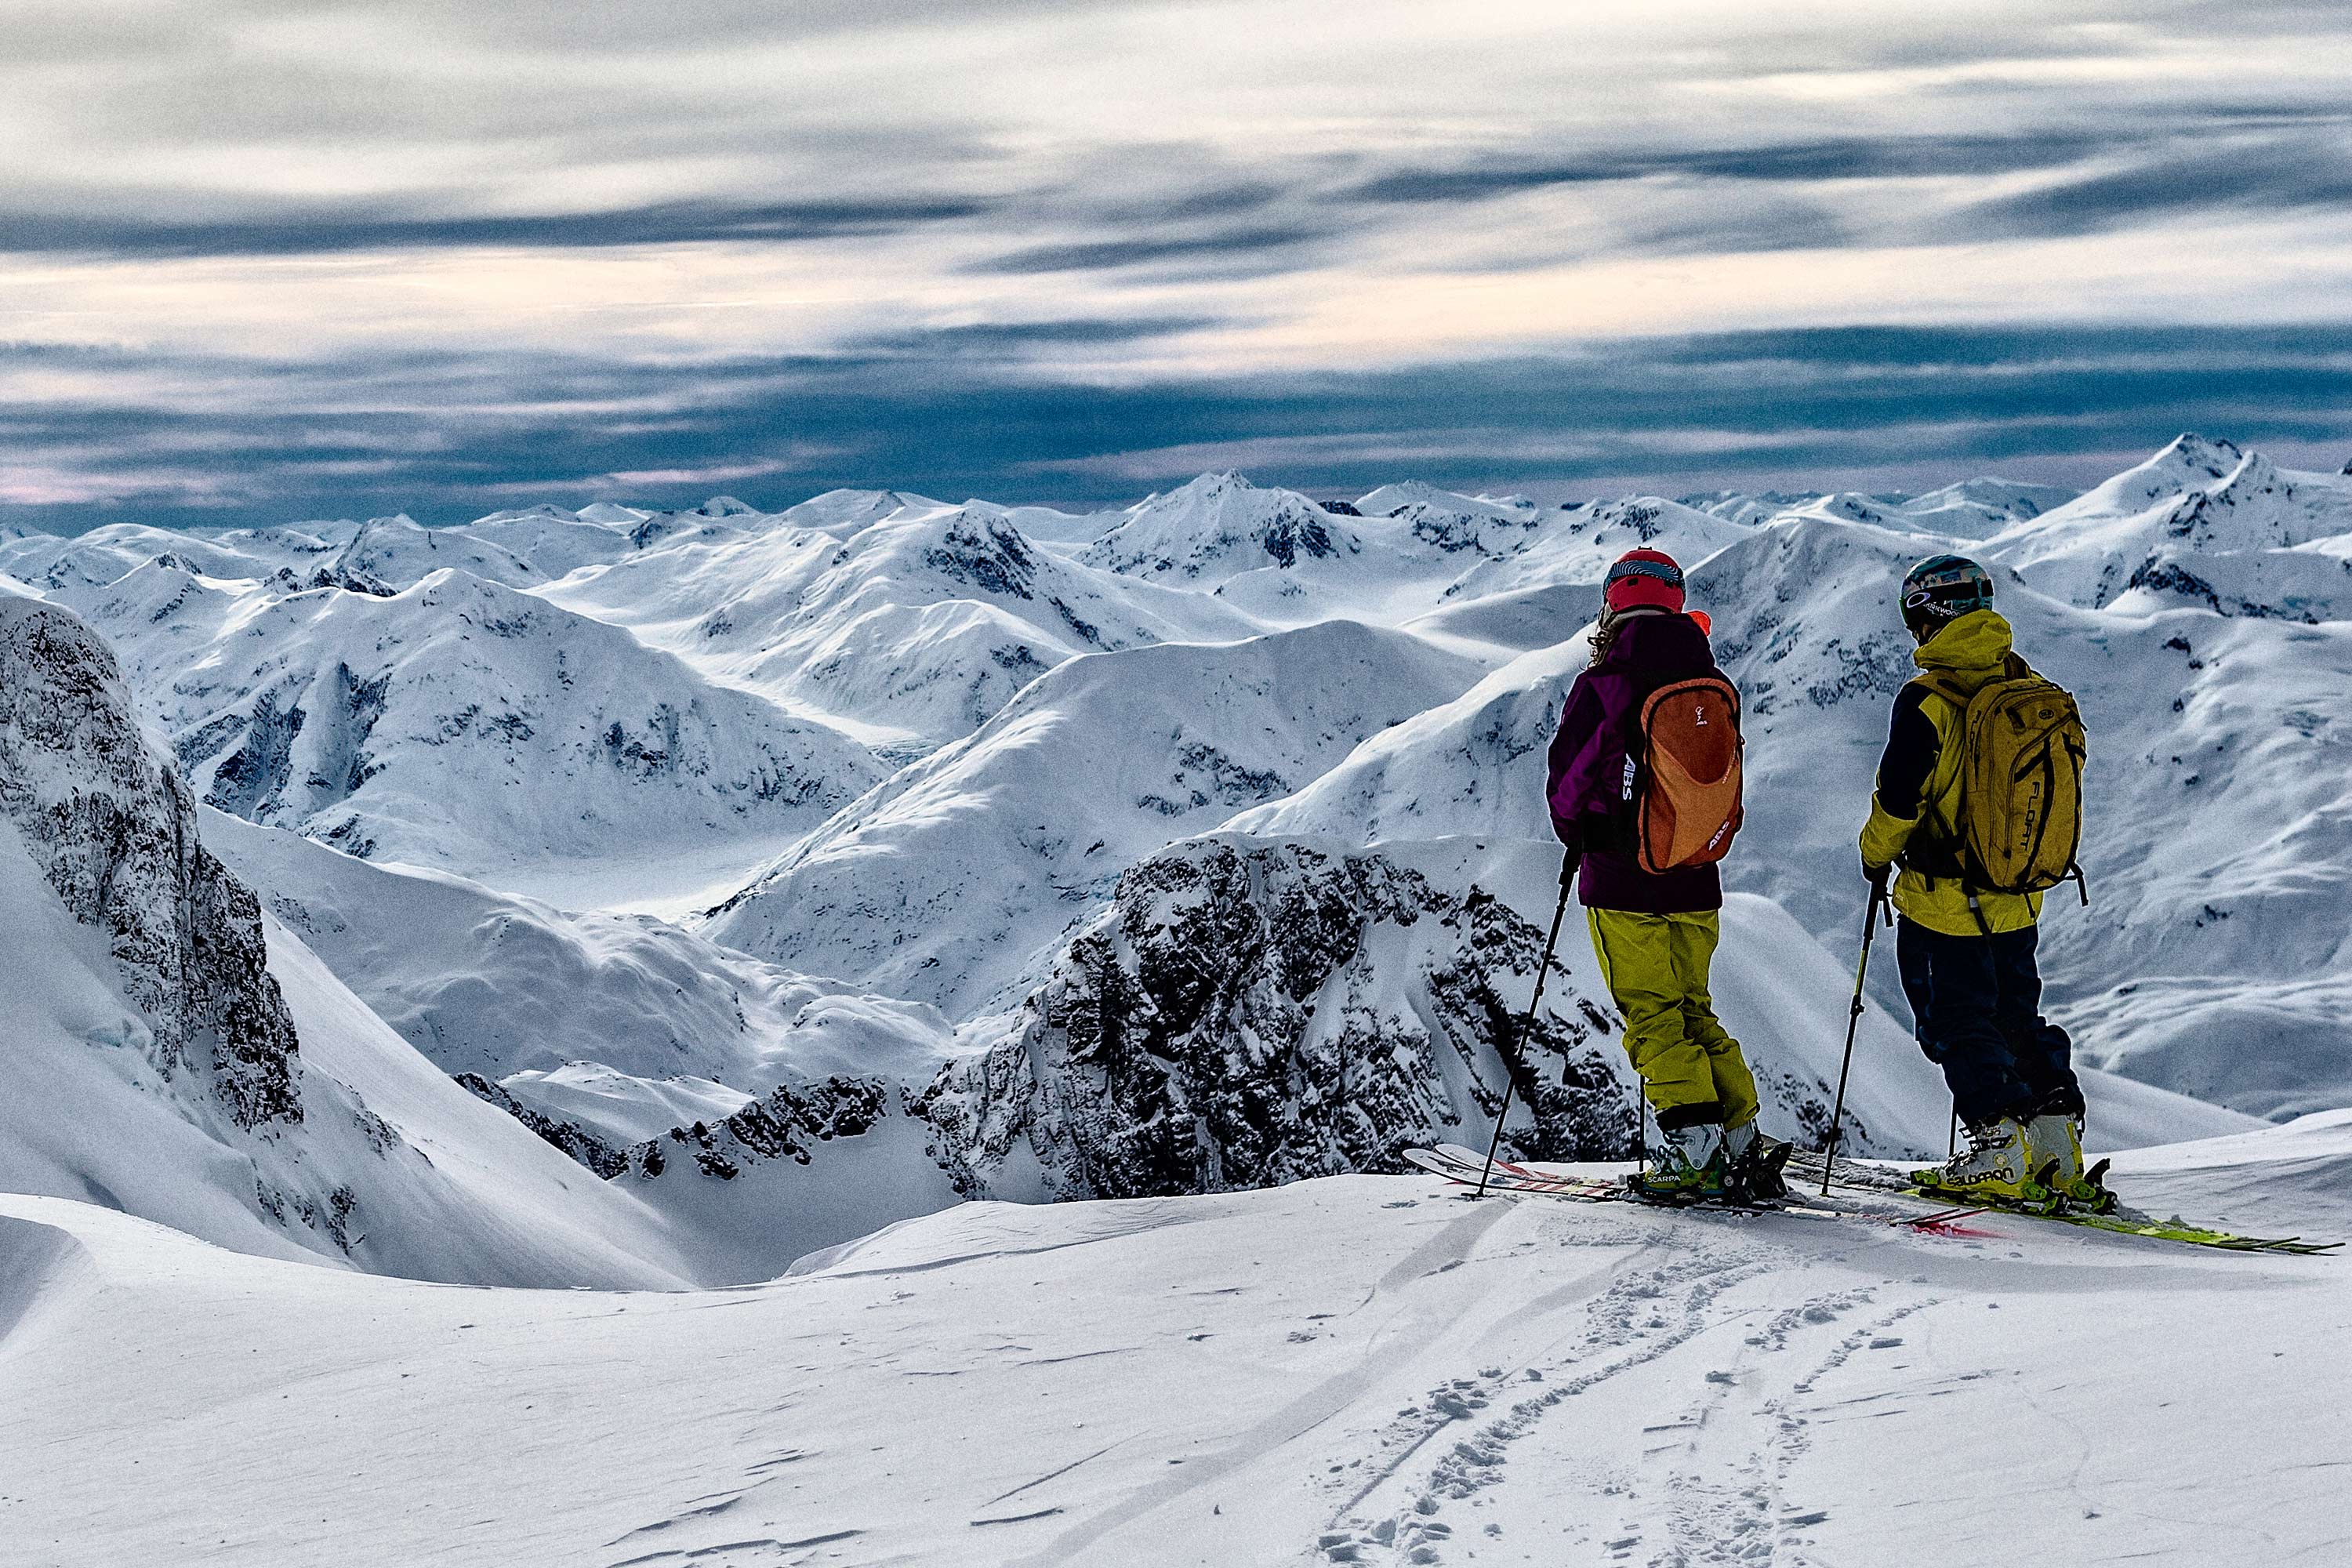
728 883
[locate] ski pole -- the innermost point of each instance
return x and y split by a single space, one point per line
1853 1022
1543 972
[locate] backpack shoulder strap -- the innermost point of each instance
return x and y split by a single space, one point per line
1944 685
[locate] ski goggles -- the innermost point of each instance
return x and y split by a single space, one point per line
1672 576
1949 598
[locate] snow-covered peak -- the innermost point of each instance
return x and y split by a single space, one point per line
2203 522
1579 545
1218 526
1736 506
612 514
400 552
545 511
461 723
843 513
1390 500
915 626
1979 508
1449 522
2189 461
1968 508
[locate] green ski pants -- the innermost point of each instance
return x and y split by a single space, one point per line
1656 968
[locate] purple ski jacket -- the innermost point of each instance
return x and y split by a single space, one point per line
1598 728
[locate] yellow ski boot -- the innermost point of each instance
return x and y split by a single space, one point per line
2054 1145
1996 1168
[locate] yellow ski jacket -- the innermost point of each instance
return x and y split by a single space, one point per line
1919 781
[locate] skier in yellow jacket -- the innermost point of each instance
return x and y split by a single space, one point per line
1967 957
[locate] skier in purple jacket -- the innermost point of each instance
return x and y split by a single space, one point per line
1655 935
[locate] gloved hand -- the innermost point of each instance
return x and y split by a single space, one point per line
1877 877
1567 865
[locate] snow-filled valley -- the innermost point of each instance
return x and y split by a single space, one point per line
950 985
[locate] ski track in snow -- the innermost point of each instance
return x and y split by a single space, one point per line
1372 1370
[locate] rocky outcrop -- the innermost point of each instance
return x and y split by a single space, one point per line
574 1140
115 833
783 1126
1253 1012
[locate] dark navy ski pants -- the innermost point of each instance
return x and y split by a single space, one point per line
1976 1007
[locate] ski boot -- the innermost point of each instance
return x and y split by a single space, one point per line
2053 1146
1688 1166
1752 1162
1996 1168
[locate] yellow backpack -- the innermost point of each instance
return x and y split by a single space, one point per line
2020 818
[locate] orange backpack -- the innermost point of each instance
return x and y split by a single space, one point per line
1691 757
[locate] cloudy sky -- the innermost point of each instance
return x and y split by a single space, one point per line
265 259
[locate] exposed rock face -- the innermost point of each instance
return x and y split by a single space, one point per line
114 832
988 553
336 573
781 1126
569 1136
1249 1013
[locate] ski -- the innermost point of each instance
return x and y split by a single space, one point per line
2120 1220
1464 1167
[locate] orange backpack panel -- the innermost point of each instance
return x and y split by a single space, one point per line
1691 755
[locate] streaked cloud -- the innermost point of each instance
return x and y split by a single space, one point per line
261 256
315 230
1882 405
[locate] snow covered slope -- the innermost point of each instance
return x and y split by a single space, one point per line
400 552
1978 508
1363 1369
554 541
95 559
941 885
910 624
460 725
1579 543
2203 522
1967 510
623 1023
169 1057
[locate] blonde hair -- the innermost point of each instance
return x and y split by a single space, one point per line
1612 622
